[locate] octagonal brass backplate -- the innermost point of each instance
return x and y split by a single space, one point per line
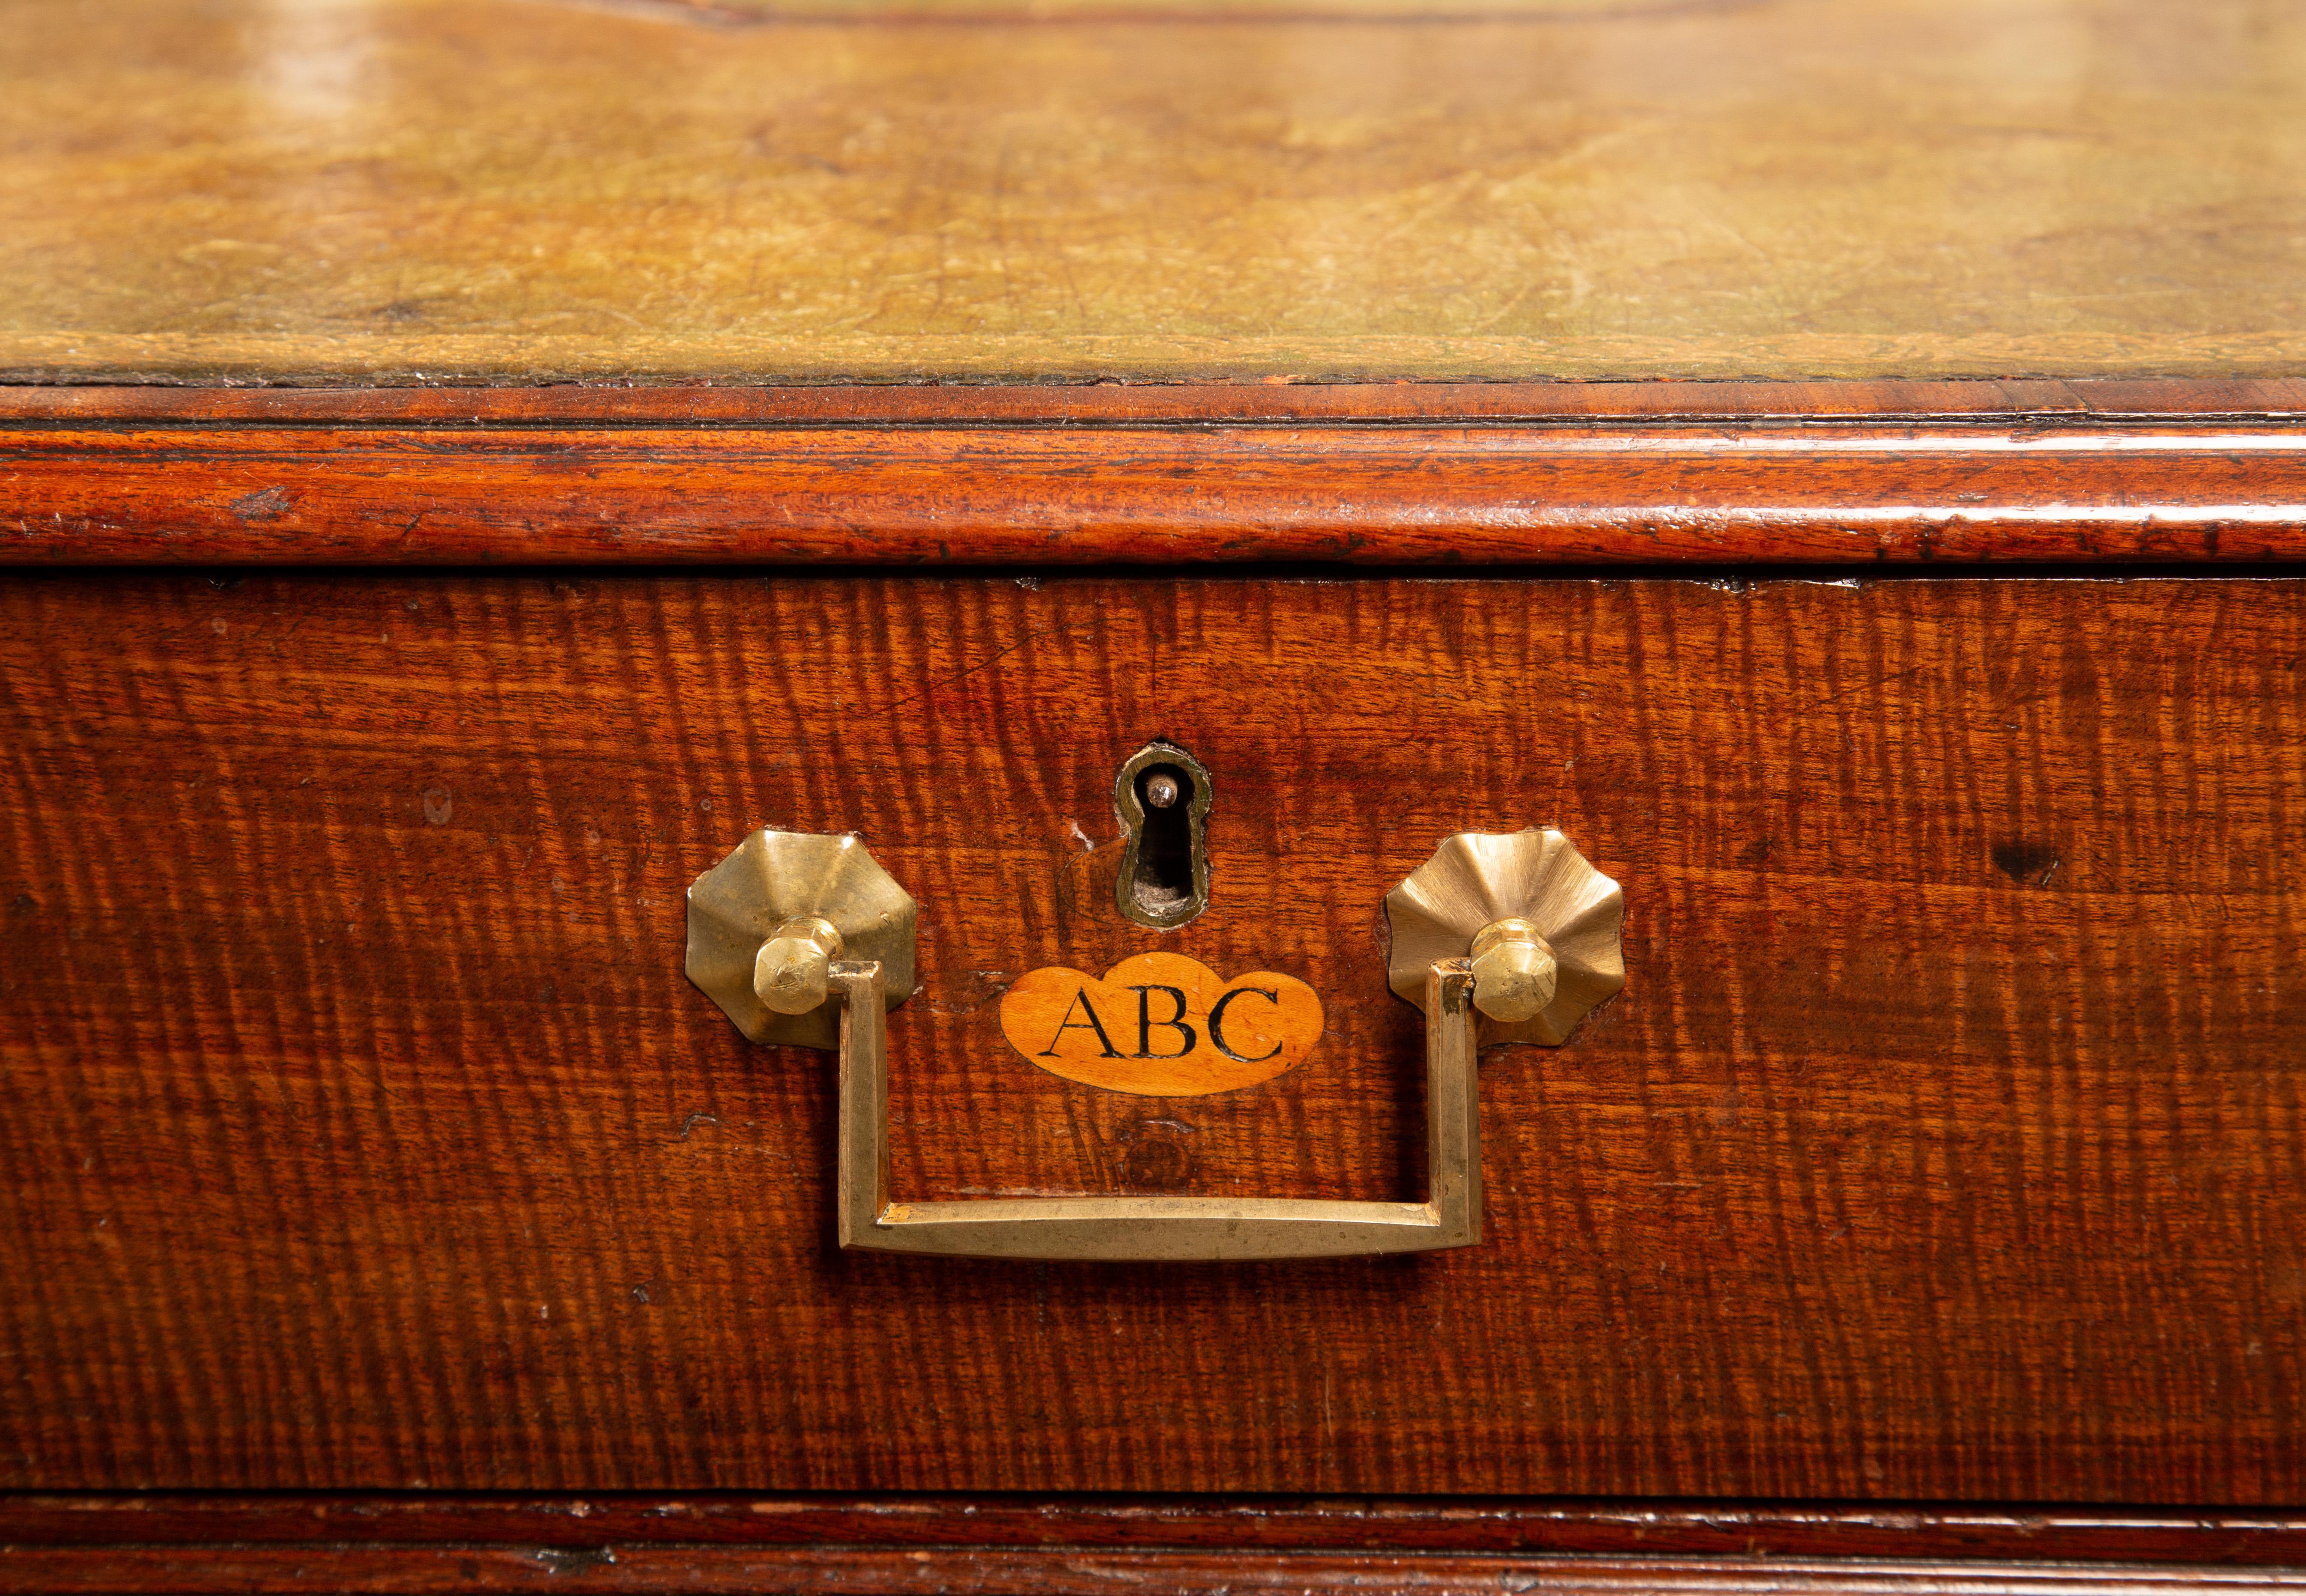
1477 879
775 877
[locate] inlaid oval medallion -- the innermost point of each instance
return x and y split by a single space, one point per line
1161 1025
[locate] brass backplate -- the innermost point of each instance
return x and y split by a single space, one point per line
772 877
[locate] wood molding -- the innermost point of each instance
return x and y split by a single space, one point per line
1055 1544
850 1571
1963 474
1159 404
199 1542
1486 1526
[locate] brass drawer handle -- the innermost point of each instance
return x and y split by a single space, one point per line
1160 1228
769 926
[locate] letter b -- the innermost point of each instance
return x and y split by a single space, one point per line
1176 1021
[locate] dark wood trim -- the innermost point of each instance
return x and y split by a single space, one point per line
2040 400
734 1543
1459 1526
1853 495
851 1571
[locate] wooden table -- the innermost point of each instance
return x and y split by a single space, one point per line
468 465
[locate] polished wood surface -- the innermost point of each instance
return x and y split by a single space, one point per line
364 1133
1049 477
418 190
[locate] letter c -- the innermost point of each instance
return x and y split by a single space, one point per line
1217 1022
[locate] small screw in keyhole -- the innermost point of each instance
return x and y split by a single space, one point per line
1162 797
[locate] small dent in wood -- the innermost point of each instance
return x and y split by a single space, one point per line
2026 863
1156 1157
979 987
265 504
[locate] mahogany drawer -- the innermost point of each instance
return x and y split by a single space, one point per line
366 1133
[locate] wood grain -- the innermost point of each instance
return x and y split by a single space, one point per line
1045 492
412 189
363 1132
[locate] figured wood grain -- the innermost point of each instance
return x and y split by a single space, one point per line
410 190
1043 491
363 1132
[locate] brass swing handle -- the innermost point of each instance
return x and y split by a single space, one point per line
1160 1228
1500 937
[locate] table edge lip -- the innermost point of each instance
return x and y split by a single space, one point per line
1664 477
2087 400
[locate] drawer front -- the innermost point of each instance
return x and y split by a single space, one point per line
365 1130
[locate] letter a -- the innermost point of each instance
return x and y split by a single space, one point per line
1081 1001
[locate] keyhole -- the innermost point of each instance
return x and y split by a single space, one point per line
1163 797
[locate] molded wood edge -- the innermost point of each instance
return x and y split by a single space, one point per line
872 1572
2040 400
1852 494
89 1523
